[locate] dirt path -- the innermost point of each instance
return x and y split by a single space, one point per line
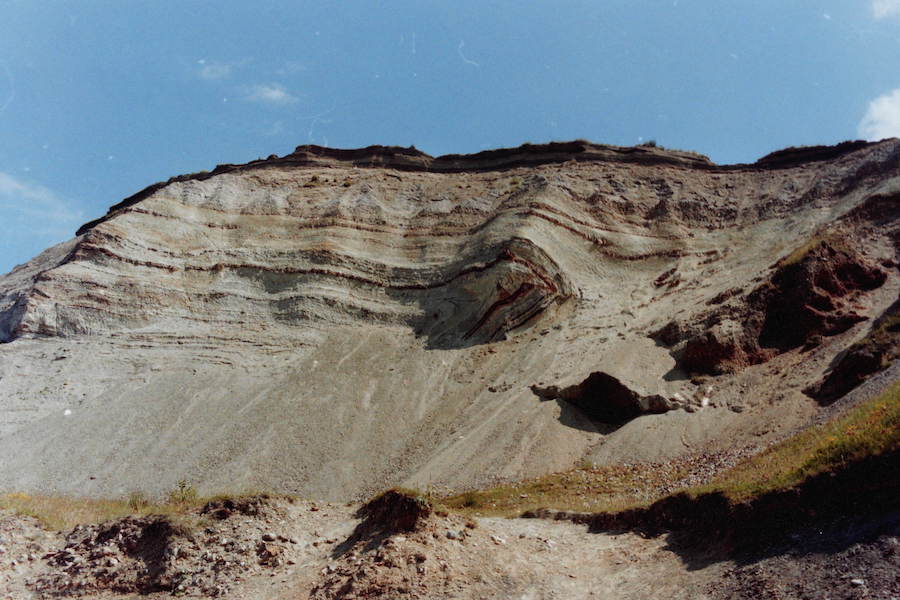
498 558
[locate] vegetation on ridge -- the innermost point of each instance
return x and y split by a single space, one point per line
61 513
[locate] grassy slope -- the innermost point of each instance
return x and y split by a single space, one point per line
869 429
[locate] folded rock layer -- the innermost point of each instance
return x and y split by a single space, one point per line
336 321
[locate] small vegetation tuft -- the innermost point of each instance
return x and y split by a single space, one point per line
137 501
183 494
801 252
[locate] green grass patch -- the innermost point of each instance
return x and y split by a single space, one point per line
867 430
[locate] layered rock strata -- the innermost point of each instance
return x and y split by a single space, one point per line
332 322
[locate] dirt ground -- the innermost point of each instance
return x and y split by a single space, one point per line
299 550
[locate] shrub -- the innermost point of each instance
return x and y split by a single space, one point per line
184 493
470 499
137 501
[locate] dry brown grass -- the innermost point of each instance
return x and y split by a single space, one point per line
586 489
62 513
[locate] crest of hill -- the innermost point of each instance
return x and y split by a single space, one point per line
413 159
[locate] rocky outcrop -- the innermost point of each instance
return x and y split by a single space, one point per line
809 295
875 352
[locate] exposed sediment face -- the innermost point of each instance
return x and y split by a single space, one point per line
333 322
810 294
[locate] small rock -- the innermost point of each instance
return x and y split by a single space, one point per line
738 408
498 540
453 535
858 582
269 537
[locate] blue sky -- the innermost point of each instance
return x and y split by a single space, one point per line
100 98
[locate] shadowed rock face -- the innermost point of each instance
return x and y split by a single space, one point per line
876 351
335 322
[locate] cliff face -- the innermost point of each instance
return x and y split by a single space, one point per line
332 320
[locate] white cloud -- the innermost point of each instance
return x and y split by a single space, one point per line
885 8
274 94
882 119
29 208
291 67
214 71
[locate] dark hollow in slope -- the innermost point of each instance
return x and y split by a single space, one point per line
605 399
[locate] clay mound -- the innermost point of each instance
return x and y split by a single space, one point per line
129 555
394 511
401 549
157 553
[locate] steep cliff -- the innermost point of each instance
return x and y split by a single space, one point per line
332 321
